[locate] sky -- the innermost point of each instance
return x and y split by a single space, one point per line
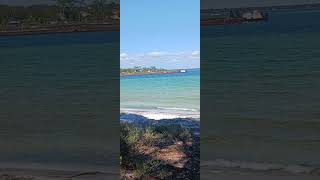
165 33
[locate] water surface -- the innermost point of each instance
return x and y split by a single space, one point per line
57 106
162 96
260 90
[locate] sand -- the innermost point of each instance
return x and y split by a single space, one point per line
43 172
209 172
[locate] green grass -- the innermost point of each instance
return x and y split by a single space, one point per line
133 138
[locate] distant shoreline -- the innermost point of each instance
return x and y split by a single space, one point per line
148 73
61 28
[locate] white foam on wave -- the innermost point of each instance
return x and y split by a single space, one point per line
158 115
178 109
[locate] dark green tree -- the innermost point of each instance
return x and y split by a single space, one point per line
67 8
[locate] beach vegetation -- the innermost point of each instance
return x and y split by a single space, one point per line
155 151
138 70
151 137
59 12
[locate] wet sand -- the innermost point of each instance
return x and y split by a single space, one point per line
42 172
210 171
228 174
207 173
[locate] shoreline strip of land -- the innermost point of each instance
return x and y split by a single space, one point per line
147 73
63 28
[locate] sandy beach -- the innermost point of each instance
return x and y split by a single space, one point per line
9 171
237 170
222 173
207 173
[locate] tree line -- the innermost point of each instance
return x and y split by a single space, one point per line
62 11
137 69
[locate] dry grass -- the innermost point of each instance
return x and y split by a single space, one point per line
157 152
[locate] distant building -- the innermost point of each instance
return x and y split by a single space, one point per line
251 15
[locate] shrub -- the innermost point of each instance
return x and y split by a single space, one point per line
146 167
151 137
129 135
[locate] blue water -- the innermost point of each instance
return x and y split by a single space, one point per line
59 98
260 90
162 96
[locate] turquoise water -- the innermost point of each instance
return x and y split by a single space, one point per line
162 96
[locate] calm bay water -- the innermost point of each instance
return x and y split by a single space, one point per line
260 90
57 106
162 96
260 94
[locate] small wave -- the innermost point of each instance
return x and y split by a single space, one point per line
257 166
178 109
160 115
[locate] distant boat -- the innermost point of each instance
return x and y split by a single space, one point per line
183 71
